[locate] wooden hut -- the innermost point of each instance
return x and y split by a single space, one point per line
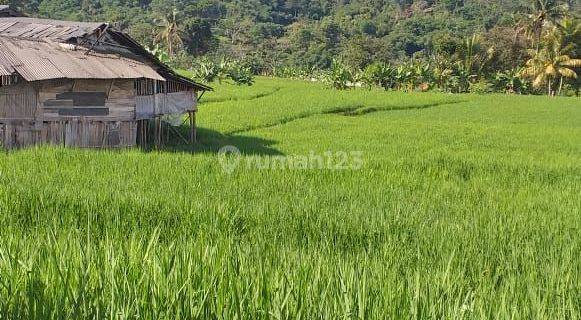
84 85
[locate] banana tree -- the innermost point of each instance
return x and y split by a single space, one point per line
510 81
404 77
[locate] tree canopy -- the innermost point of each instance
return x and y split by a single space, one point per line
309 33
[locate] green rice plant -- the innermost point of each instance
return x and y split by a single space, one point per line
465 207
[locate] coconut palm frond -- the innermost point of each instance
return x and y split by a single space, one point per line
562 58
568 48
575 63
567 73
539 80
533 67
551 70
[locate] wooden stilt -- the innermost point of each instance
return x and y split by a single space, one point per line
154 138
193 133
140 134
194 127
167 126
144 129
160 133
157 133
143 134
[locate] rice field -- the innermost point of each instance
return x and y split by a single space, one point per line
459 207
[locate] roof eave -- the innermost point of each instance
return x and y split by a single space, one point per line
165 69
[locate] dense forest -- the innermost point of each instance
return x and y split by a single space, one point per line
487 36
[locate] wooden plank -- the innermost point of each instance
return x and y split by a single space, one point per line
18 101
2 135
84 99
77 132
92 85
85 111
9 136
60 103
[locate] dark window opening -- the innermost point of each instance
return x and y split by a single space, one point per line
8 80
147 87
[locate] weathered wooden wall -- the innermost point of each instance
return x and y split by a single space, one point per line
145 107
18 101
82 113
62 100
79 113
72 133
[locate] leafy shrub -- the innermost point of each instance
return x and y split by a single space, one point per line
378 74
297 73
481 87
459 81
510 82
209 71
404 77
424 78
285 72
160 53
241 75
339 77
206 70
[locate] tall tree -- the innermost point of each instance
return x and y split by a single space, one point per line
550 64
569 29
170 32
542 13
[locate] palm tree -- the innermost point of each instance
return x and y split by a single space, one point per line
541 14
474 55
569 30
170 33
551 63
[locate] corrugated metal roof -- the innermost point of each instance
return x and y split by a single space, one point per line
45 59
24 27
4 71
41 49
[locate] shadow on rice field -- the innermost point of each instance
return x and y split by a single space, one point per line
361 109
211 141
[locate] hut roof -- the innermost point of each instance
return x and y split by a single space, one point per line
41 49
45 59
24 27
